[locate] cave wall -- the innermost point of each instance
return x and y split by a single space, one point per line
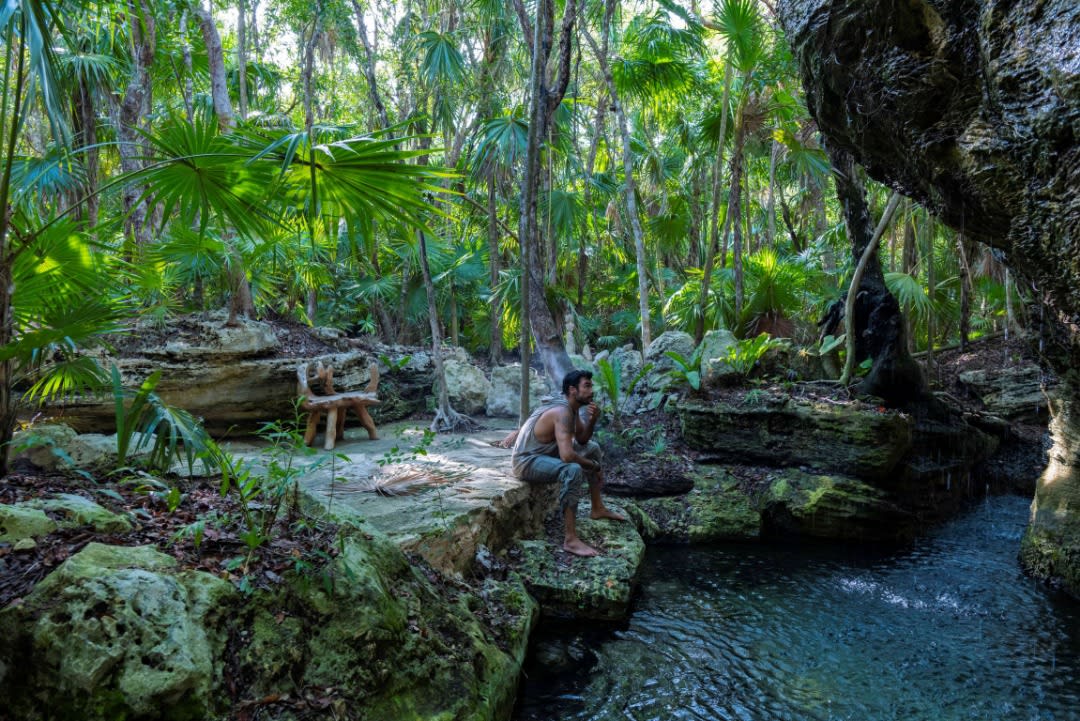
972 107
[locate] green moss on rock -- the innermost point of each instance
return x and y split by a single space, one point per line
19 521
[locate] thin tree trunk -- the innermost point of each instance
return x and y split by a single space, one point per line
494 258
931 290
87 138
369 67
8 409
770 204
215 58
543 103
134 108
241 57
717 181
963 245
907 264
185 53
628 173
590 166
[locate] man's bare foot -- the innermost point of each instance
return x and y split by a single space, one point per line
606 513
579 548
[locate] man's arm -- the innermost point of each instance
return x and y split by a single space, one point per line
584 431
564 437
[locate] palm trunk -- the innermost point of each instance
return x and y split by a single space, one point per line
369 67
134 108
770 204
188 85
965 248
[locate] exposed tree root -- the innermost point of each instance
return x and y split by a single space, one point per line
447 420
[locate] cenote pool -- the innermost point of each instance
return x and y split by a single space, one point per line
946 628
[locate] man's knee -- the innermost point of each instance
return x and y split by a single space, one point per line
572 472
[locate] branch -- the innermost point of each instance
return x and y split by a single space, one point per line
856 279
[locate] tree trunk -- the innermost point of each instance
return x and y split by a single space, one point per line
215 58
87 138
770 204
494 257
134 108
878 324
965 248
185 53
907 264
369 67
543 103
628 174
717 182
241 56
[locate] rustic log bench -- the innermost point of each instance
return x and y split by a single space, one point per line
335 405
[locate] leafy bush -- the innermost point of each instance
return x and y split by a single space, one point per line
609 376
175 433
687 371
744 355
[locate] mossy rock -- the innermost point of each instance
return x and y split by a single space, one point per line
79 511
832 507
392 642
116 632
19 522
716 510
596 588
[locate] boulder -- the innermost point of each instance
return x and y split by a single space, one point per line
630 361
209 337
855 438
504 400
467 386
567 586
76 511
45 445
392 643
715 347
1019 393
20 521
715 510
832 506
674 341
116 633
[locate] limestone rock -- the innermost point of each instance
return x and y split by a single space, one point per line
776 430
44 445
504 400
112 633
630 361
212 338
715 347
1018 393
715 510
79 511
598 588
394 645
20 521
834 507
467 386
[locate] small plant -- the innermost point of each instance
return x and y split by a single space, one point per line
687 371
264 489
609 377
397 454
743 357
175 432
394 365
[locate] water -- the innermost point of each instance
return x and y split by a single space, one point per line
945 629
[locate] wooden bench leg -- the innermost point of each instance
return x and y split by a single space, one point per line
331 429
341 423
312 427
366 421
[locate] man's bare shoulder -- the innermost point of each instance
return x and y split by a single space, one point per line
551 419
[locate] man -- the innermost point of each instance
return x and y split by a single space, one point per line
554 446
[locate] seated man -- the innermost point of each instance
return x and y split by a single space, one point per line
554 445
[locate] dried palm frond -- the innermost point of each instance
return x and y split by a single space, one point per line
405 479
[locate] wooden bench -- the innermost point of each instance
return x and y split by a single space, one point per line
335 405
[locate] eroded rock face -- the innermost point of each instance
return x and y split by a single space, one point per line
973 108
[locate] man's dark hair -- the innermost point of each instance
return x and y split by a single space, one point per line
571 379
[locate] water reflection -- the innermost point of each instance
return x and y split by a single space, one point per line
945 629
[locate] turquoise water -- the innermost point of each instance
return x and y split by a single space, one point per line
946 628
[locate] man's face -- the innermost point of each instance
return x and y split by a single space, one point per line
584 390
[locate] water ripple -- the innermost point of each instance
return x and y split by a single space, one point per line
948 629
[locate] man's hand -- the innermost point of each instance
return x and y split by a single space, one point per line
592 413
